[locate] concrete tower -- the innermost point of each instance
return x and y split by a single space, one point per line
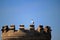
12 27
40 28
32 25
4 29
21 27
24 34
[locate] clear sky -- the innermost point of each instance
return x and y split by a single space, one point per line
45 12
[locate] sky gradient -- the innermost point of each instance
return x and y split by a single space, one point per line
45 12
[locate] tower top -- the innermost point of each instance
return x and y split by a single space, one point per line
32 21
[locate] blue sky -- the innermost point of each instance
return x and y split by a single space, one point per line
45 12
